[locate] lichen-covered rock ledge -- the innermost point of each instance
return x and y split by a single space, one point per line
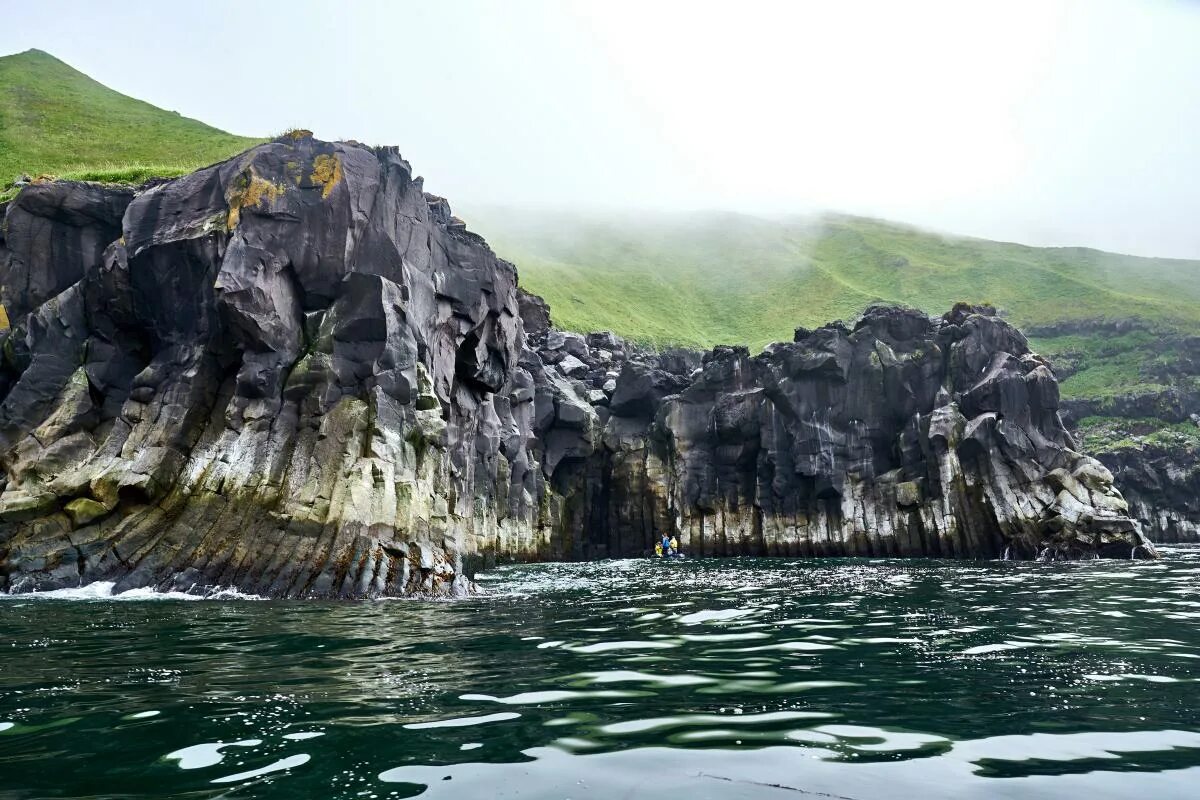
297 374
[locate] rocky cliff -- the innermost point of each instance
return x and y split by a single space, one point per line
902 435
1162 481
1157 466
296 373
1148 432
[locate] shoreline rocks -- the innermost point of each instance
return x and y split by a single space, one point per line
297 374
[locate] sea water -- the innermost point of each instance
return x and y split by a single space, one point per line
741 678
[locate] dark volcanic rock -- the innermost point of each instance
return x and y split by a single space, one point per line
297 374
535 316
53 233
281 375
1157 474
902 436
641 387
1161 481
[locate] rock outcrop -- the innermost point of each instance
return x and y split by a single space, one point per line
296 373
1149 433
902 435
1160 478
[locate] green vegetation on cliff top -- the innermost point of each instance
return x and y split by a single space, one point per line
705 279
56 120
674 279
1106 434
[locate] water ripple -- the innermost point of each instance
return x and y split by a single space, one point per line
733 679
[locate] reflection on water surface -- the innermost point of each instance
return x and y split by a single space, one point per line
632 679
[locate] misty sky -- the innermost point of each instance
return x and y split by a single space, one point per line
1044 122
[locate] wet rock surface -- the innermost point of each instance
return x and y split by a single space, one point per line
296 373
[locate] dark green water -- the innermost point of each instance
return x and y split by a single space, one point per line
625 679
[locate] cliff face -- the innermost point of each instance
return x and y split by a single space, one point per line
901 436
296 373
283 372
1160 477
1149 436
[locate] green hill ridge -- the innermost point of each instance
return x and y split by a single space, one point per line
56 120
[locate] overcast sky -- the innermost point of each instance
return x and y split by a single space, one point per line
1047 122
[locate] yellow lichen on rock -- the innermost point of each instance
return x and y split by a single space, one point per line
327 173
249 190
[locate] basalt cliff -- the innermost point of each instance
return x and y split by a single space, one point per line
296 373
1148 436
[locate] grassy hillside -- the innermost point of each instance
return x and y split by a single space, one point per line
711 278
705 279
56 120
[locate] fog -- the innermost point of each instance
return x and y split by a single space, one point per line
1048 122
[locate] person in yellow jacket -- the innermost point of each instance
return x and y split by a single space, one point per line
658 549
674 546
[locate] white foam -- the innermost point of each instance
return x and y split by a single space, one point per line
6 725
103 590
92 591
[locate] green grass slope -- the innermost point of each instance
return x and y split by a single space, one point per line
704 279
56 120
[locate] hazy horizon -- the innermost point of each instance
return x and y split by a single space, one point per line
1063 123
